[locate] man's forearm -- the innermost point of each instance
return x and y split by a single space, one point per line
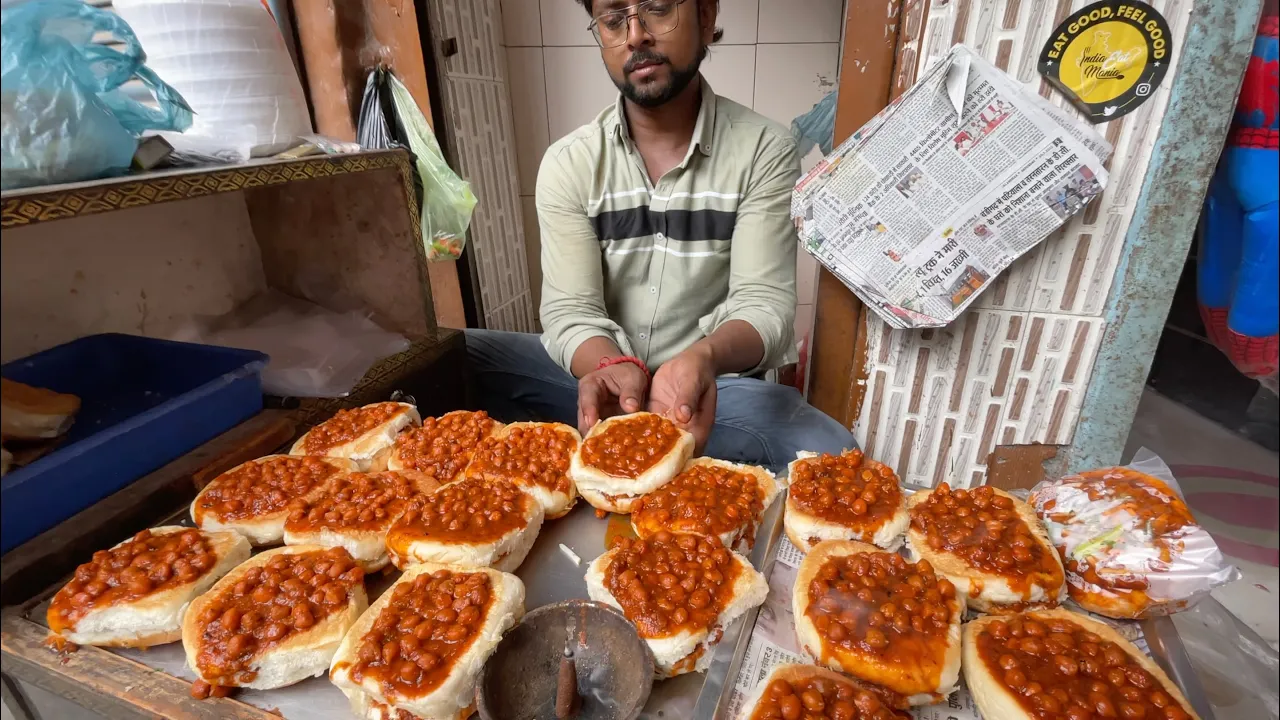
734 347
588 355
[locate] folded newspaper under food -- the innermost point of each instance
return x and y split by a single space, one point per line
919 210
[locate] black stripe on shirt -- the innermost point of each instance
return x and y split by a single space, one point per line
679 225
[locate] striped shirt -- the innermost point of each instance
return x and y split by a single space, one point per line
658 267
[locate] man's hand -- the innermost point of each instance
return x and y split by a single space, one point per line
684 390
609 391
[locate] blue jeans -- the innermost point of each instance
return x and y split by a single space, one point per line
757 422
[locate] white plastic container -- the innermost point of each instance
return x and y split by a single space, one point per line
228 60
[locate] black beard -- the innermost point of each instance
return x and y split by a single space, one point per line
652 97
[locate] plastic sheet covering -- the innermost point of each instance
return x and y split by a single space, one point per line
1091 524
314 352
1237 668
63 116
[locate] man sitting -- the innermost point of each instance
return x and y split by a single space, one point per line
668 257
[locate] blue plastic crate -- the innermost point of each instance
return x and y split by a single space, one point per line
144 403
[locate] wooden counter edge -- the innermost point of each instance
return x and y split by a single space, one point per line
105 683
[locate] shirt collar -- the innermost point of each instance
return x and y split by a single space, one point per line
703 130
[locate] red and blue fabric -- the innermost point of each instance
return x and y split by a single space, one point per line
1239 257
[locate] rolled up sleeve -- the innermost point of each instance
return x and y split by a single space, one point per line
762 266
573 307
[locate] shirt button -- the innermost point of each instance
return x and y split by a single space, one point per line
658 236
642 336
653 289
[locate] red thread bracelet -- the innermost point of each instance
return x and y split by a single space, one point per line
607 362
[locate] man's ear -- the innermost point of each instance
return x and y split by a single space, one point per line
707 12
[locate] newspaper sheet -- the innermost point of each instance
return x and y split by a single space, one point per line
921 208
773 642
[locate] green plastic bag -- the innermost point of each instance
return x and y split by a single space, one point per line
447 200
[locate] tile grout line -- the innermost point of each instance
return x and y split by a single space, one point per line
546 106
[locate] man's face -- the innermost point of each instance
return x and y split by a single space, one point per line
650 66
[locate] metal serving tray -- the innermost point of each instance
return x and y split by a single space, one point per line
551 575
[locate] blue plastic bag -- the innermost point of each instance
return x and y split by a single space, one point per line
63 116
817 127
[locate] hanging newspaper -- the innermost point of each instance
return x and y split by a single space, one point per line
921 208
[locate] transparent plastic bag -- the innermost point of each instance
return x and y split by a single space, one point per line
63 117
390 117
1237 668
314 352
1124 559
447 200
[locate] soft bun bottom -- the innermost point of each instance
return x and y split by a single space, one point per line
277 670
555 504
994 594
297 657
620 504
504 555
805 531
367 548
366 707
915 679
996 702
118 640
156 619
453 696
687 651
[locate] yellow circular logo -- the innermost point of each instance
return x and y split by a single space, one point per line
1104 61
1108 57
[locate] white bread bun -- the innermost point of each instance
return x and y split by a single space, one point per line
366 707
805 528
32 413
1130 544
301 654
688 649
295 478
153 619
995 700
862 707
506 455
932 672
454 696
442 447
375 427
701 510
1041 584
422 533
618 493
354 512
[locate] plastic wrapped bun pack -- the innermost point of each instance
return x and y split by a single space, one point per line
1131 547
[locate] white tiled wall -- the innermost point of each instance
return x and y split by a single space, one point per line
779 57
1015 368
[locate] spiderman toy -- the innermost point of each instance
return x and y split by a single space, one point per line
1239 261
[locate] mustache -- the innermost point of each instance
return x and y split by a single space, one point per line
644 55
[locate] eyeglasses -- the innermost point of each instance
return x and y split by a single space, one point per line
657 17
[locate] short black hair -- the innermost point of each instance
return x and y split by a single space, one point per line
715 36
